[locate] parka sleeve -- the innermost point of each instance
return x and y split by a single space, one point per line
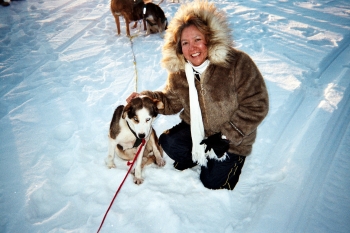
171 100
252 98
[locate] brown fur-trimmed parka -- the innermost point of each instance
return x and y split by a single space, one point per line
231 92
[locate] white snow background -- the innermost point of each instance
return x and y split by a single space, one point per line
64 70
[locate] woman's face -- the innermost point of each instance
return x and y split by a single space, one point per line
193 45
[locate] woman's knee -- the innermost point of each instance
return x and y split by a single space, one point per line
222 175
177 142
229 182
165 141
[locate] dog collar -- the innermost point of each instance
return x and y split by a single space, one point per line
138 140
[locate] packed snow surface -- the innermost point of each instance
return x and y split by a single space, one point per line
64 69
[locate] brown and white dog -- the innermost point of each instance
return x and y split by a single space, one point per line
139 10
131 124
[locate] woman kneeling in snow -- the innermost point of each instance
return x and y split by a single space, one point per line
220 91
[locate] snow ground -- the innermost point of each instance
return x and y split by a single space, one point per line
63 70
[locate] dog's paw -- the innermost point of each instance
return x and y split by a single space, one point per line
160 162
110 164
138 181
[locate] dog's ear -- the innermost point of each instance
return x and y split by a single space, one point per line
126 110
159 104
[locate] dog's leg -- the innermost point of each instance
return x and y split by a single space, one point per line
138 174
157 150
127 27
127 154
135 25
117 22
148 29
144 25
158 154
159 23
112 143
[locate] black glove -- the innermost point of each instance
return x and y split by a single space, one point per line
215 142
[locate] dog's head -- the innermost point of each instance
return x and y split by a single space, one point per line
140 113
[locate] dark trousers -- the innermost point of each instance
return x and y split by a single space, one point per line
177 143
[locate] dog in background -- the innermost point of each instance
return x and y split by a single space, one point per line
131 124
125 8
134 11
155 18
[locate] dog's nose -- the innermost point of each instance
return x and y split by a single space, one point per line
142 135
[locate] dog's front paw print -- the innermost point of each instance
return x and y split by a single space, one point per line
138 181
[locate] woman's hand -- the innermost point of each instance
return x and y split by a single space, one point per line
133 95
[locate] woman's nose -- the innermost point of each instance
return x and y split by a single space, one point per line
191 46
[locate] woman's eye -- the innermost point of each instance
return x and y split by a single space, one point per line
184 43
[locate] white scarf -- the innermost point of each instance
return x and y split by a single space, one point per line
201 68
197 127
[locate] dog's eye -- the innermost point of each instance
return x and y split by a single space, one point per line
135 119
148 119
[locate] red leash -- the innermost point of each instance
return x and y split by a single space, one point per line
120 186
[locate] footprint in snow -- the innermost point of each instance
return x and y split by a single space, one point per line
306 31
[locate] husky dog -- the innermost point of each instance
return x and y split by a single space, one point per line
155 18
134 10
131 124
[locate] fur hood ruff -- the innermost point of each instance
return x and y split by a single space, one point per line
220 42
